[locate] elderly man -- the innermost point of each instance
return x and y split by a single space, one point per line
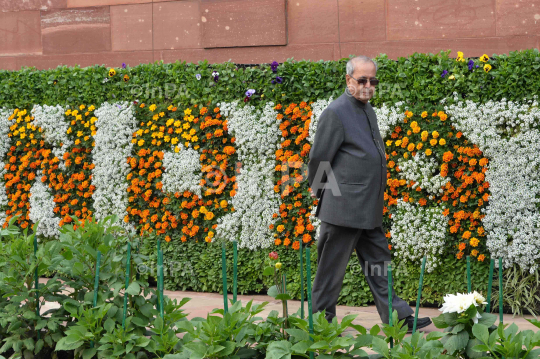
347 172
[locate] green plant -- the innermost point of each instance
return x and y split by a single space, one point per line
521 291
23 328
119 342
220 336
460 337
325 341
507 343
82 336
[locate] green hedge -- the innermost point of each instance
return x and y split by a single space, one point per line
414 79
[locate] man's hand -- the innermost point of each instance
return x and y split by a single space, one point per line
312 194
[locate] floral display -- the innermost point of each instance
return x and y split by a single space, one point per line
509 135
460 302
461 174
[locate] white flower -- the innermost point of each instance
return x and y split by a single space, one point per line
460 302
418 232
115 127
51 119
42 209
257 137
182 171
5 144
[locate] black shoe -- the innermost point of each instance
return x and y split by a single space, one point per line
420 323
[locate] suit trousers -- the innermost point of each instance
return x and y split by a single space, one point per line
334 247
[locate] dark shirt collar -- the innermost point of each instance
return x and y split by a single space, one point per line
353 100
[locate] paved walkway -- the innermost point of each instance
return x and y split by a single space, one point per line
203 303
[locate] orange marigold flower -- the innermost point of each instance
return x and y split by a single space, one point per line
296 245
459 255
277 242
448 156
481 257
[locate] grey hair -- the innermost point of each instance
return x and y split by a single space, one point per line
358 59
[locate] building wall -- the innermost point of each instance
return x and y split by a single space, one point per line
48 33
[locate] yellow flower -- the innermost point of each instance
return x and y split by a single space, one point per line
209 215
424 114
152 107
187 111
487 67
280 228
419 146
435 134
459 56
134 140
474 241
428 152
388 143
414 124
112 72
174 140
169 122
409 114
416 129
425 135
278 265
140 143
91 108
451 77
211 234
223 204
82 107
433 142
176 149
484 58
406 155
442 142
203 210
398 143
410 147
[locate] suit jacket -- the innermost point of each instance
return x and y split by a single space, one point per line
348 138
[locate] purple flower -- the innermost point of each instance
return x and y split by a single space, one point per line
471 65
250 92
246 99
477 65
274 65
123 65
216 78
198 76
277 80
444 73
120 107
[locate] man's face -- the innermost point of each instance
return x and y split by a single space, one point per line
362 92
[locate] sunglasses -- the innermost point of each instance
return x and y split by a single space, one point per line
363 80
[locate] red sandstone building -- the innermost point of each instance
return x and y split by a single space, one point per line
48 33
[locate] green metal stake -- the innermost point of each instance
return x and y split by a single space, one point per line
469 284
235 270
128 265
310 315
420 285
500 291
157 275
224 273
301 280
490 284
96 285
36 280
161 285
390 300
137 274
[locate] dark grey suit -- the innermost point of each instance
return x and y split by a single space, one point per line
348 139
